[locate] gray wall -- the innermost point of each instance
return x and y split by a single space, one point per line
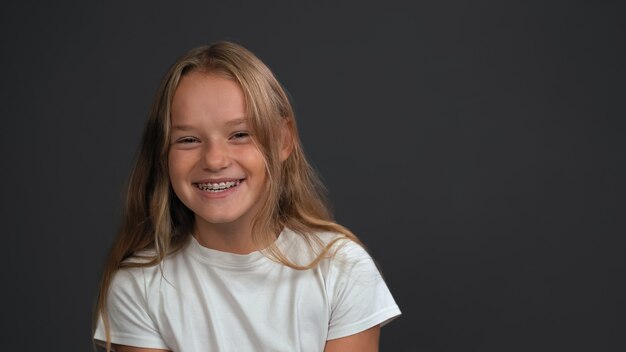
475 146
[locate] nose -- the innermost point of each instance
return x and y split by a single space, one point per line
216 156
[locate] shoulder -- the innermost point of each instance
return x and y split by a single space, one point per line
323 238
127 282
335 248
358 295
146 261
141 257
137 273
341 247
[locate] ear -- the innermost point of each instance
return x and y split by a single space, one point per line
286 139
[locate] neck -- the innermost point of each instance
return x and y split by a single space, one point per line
225 237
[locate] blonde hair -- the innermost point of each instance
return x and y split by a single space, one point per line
154 218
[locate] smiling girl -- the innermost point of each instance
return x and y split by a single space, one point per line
226 243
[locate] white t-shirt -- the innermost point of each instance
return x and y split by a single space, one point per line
206 300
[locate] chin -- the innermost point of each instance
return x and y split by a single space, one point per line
218 219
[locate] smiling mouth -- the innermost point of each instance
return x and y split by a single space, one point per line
218 186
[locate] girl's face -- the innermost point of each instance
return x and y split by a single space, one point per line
214 166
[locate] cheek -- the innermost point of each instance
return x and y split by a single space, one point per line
257 164
249 158
176 165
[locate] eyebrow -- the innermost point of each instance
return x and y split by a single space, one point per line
234 122
237 122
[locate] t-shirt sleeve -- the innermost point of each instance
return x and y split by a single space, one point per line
360 299
129 321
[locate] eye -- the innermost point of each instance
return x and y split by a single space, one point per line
186 140
240 136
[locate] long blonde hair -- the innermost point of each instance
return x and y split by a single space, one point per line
155 219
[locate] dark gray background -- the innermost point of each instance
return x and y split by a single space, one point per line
475 146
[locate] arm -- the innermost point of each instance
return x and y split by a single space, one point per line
122 348
364 341
130 323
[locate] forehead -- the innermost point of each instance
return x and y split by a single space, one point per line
210 95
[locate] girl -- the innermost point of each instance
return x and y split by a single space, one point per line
226 243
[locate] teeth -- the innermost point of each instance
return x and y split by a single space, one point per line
217 187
